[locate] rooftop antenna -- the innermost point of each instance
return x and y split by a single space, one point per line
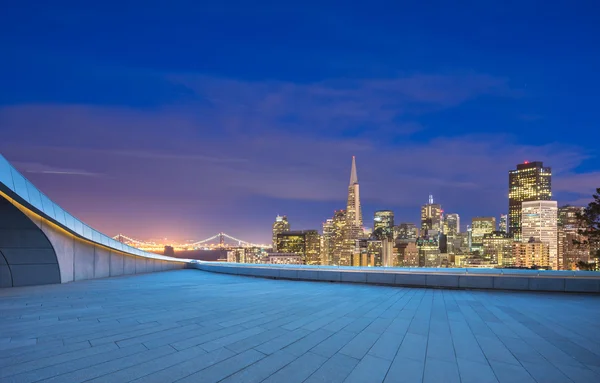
430 199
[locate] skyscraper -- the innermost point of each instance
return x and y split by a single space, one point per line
305 243
327 242
531 181
281 225
568 228
451 225
431 217
354 221
481 226
502 226
353 209
337 256
383 224
539 223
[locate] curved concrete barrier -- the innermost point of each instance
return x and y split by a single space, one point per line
496 279
41 243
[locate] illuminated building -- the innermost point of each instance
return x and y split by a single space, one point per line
408 254
531 254
406 231
531 181
353 208
255 255
236 255
451 229
313 247
498 249
431 217
306 243
337 256
281 225
503 223
451 225
570 253
373 253
539 222
481 226
429 252
383 224
327 242
353 230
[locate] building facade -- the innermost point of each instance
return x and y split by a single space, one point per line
337 255
539 222
407 254
431 217
481 226
498 249
571 245
305 243
451 225
327 242
281 225
531 254
406 231
531 181
503 225
353 230
383 224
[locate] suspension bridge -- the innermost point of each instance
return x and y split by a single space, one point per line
218 240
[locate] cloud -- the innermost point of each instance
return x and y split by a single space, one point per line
339 105
35 167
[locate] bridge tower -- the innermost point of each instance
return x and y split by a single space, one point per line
221 239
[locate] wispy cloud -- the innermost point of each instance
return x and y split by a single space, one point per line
35 167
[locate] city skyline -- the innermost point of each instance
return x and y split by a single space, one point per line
184 143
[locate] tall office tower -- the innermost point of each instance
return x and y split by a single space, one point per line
431 217
406 231
539 222
354 222
451 225
327 242
531 181
353 209
383 224
503 223
481 226
313 247
498 249
568 228
337 255
306 243
429 253
281 225
532 253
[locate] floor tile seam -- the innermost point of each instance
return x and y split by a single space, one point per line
265 357
121 369
70 361
52 356
566 338
221 361
514 356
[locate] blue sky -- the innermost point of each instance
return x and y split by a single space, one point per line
187 118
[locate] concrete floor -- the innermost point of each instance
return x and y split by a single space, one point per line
194 326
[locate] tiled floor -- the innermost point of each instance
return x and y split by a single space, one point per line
193 326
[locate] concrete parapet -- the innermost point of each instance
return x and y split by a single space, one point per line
448 278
